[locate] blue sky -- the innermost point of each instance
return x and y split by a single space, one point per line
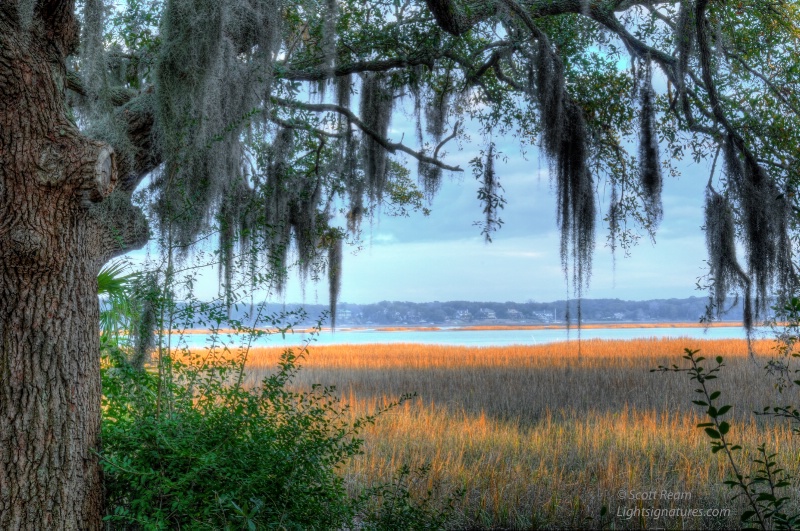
444 257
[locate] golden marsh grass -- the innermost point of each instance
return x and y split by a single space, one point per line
542 436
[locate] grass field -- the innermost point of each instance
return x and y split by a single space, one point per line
540 436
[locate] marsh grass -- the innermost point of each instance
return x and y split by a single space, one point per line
540 436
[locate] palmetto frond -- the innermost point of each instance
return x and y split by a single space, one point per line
116 307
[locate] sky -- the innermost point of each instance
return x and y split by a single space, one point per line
444 257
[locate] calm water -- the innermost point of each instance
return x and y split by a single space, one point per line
474 338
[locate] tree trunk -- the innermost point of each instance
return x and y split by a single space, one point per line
54 238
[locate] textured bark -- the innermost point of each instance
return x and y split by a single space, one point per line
56 230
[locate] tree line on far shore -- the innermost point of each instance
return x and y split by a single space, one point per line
463 312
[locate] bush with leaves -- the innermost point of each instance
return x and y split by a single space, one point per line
195 449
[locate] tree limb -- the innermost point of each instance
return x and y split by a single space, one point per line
60 23
137 113
447 139
391 147
457 17
498 71
120 226
303 126
317 74
775 90
642 50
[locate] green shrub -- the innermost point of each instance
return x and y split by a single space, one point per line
188 448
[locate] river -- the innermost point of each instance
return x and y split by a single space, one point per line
472 338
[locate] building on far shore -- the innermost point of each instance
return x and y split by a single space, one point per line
486 313
514 315
464 315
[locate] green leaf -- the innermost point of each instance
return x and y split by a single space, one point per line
723 410
724 427
714 434
715 395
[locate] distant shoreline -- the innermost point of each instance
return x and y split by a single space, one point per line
488 327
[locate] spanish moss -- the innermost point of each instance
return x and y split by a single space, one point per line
277 206
613 217
376 111
102 73
684 39
334 274
329 35
725 271
303 219
354 181
93 51
549 90
146 294
414 87
227 239
649 167
576 205
343 88
430 177
764 217
211 69
235 230
489 195
565 144
436 114
25 9
436 107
